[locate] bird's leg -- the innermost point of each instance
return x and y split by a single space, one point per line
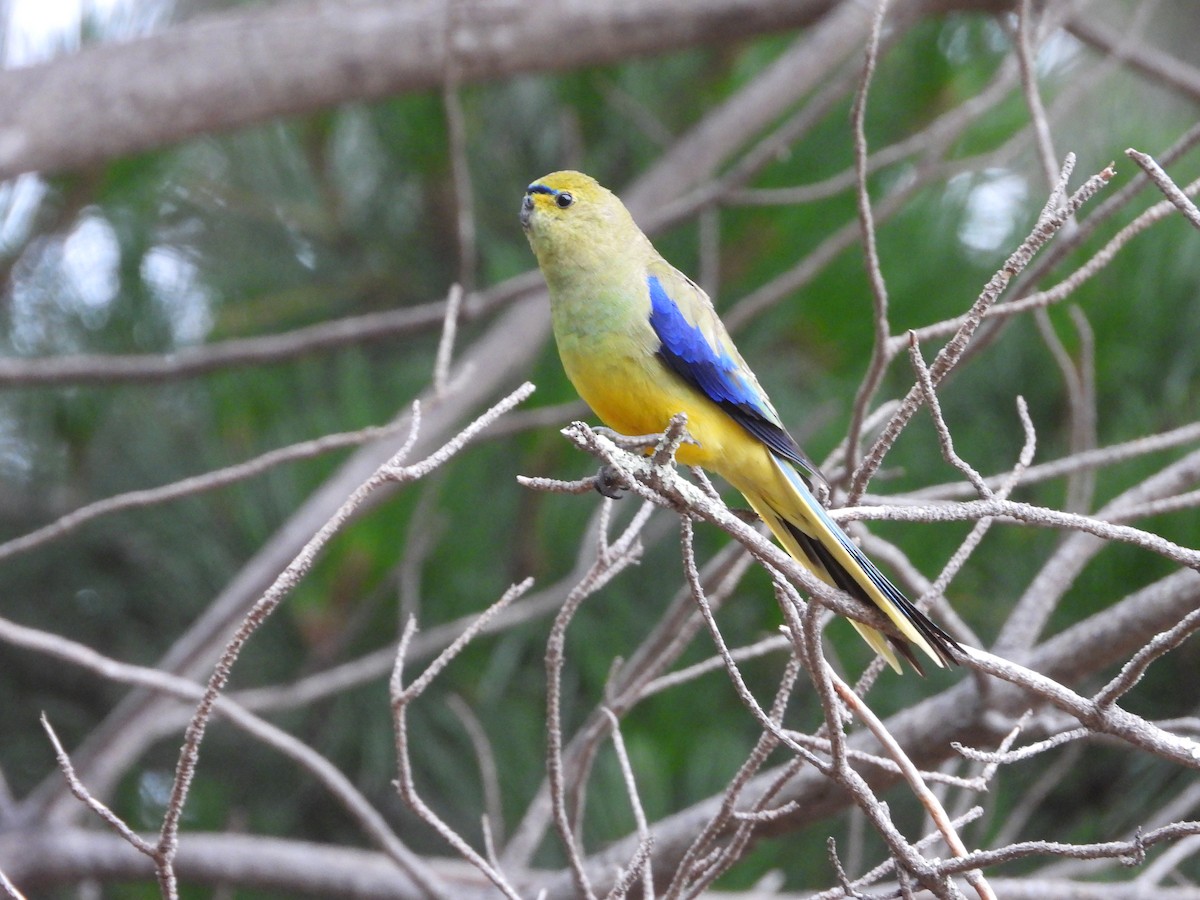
611 482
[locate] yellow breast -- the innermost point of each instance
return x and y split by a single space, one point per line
634 398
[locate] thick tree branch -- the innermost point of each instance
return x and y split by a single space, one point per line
36 861
226 70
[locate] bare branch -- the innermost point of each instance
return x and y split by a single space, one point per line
866 221
102 103
791 776
983 526
1004 756
419 685
913 776
1029 614
332 779
1033 97
1090 459
1166 185
10 889
610 561
631 682
456 129
208 481
929 142
441 366
1161 67
1033 515
1130 852
1106 719
889 865
1071 283
489 772
945 440
1081 400
391 471
1133 671
641 862
79 790
189 362
952 352
69 856
402 697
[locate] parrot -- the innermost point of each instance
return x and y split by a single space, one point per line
641 342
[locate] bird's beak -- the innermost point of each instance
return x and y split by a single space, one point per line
526 211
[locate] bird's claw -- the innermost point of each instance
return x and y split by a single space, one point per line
610 482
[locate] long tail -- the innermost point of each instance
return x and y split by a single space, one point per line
809 534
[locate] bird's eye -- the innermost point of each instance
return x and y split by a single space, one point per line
564 199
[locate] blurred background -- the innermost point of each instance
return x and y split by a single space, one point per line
375 205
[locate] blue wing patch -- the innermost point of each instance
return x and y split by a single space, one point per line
686 351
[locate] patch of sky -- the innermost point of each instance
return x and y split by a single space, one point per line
173 280
38 30
20 199
89 259
994 206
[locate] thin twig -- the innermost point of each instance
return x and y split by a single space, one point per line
945 440
1090 459
445 350
401 698
635 803
114 821
879 294
489 774
1004 757
610 561
913 776
1066 287
456 134
1131 673
10 889
1033 97
1177 197
948 357
196 484
889 865
1043 517
391 471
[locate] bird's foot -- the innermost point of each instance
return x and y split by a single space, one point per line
611 482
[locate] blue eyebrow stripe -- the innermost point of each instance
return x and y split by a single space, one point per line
541 189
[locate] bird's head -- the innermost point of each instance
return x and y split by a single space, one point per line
571 216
